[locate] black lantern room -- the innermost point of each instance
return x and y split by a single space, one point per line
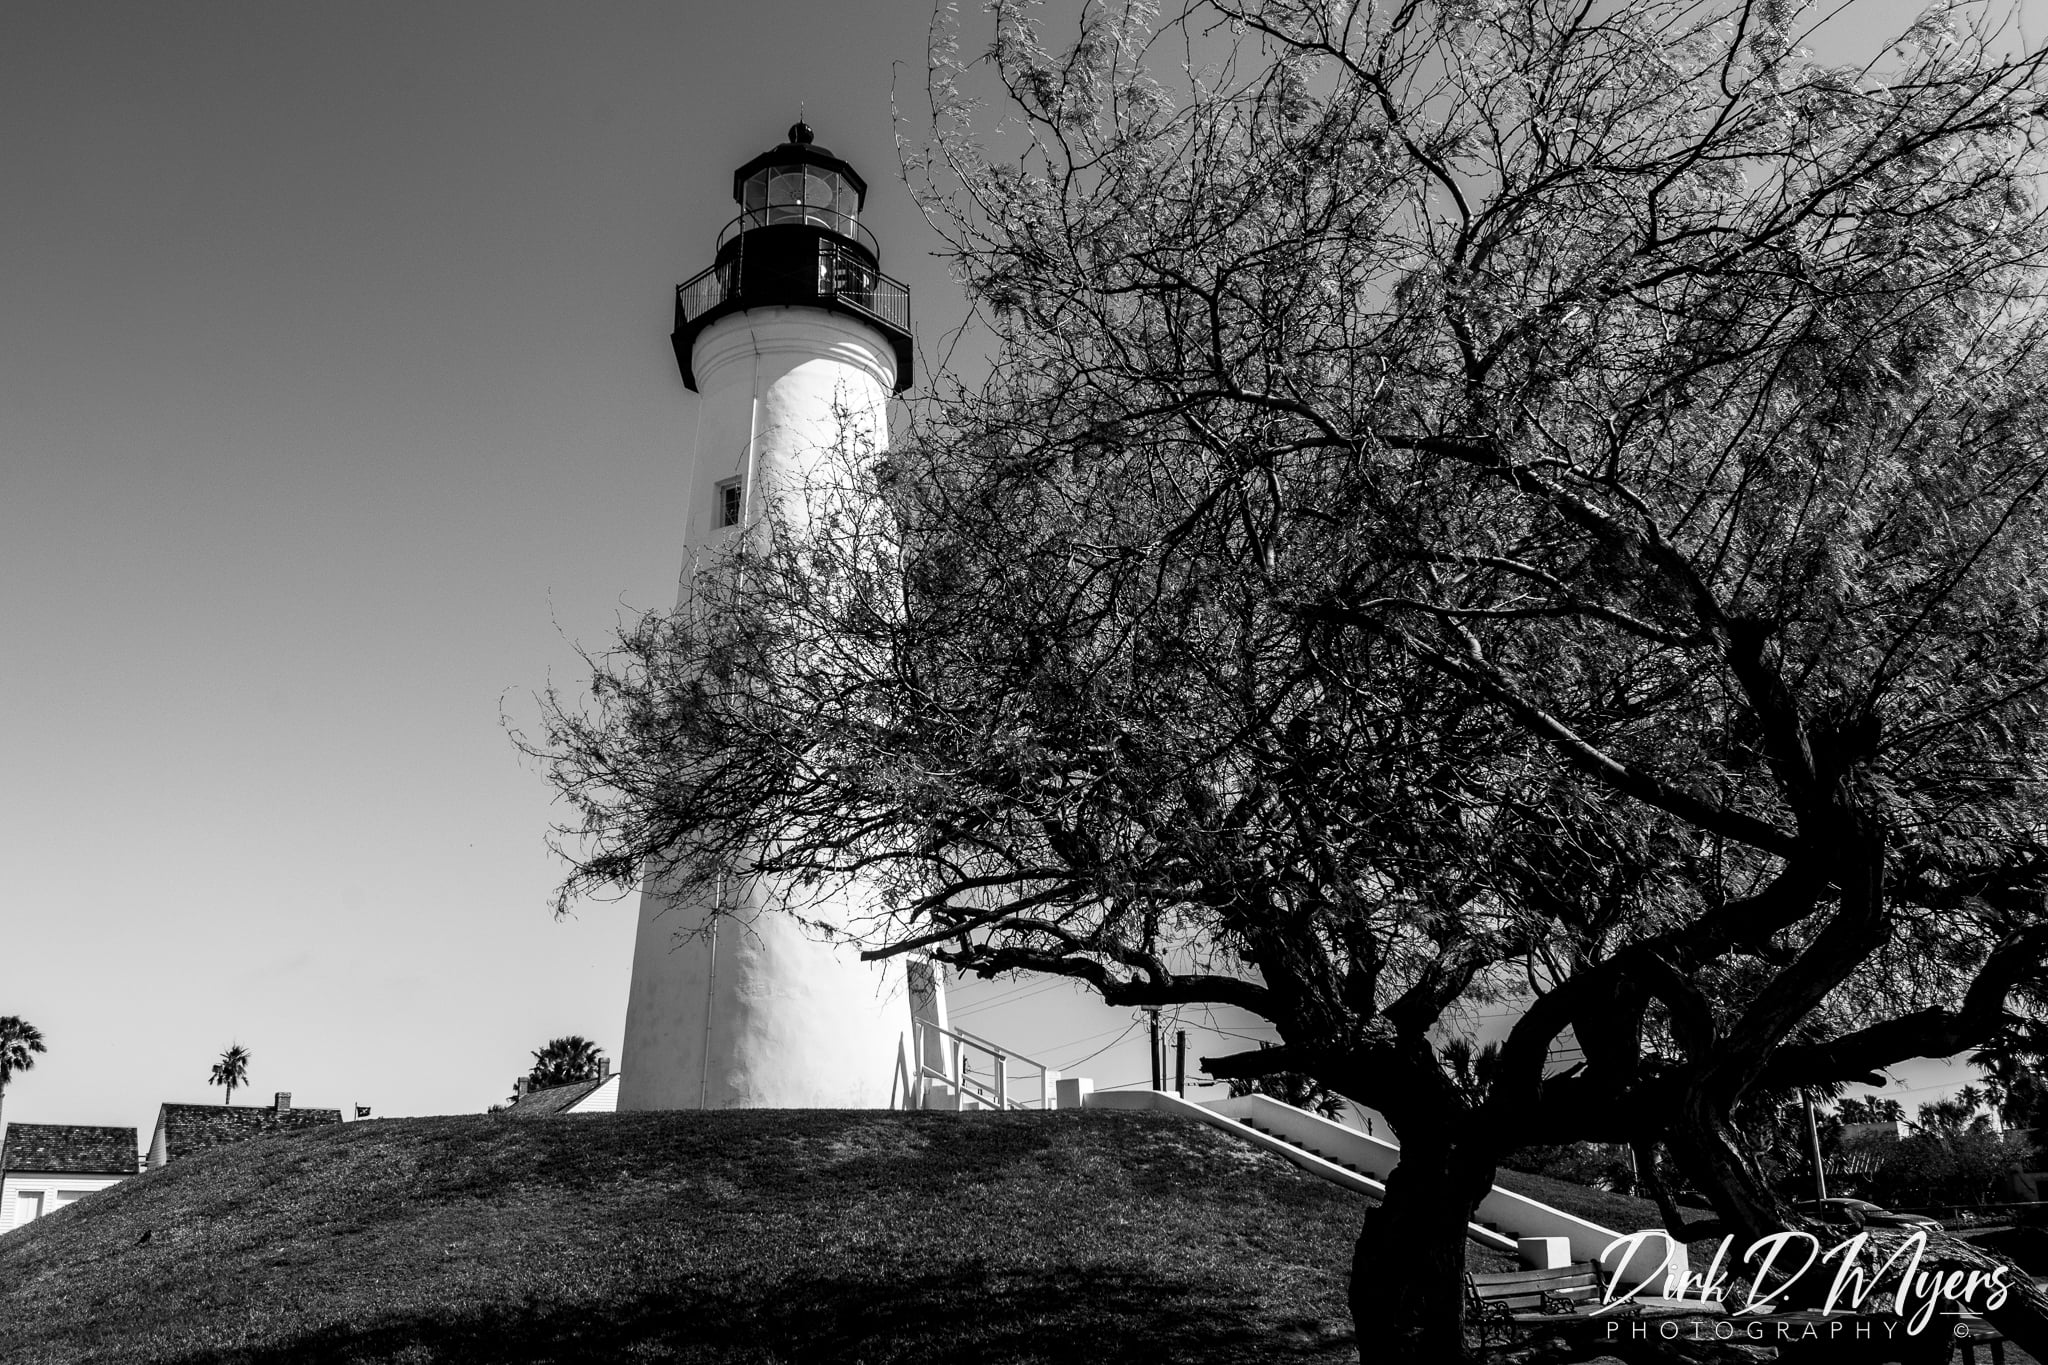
798 241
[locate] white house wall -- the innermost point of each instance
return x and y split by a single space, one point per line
56 1192
603 1100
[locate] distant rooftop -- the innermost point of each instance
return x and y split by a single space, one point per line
535 1104
191 1128
68 1149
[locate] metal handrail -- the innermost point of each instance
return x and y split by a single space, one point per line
985 1045
871 292
999 1093
701 293
776 215
966 1082
844 275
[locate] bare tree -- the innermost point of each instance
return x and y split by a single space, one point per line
1470 505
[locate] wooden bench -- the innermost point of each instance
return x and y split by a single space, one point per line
1969 1336
1531 1298
1555 1298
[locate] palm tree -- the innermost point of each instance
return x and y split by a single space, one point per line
1292 1087
20 1041
231 1070
563 1060
1869 1109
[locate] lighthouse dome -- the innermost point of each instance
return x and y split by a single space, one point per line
801 182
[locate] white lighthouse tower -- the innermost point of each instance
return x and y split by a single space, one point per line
793 340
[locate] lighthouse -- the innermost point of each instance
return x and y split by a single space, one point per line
793 341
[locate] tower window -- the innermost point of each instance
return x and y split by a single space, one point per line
729 502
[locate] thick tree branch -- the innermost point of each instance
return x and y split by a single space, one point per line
1933 1032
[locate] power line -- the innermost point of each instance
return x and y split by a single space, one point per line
980 1005
1104 1048
1886 1091
1009 990
1002 997
1075 1042
1233 1033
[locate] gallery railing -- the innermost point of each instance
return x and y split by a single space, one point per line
836 273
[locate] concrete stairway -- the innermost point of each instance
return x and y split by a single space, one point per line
1313 1150
1501 1240
1338 1159
1362 1162
1324 1156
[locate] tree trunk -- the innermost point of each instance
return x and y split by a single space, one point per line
1408 1271
1650 1177
1702 1142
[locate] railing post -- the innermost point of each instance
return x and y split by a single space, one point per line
1002 1065
921 1083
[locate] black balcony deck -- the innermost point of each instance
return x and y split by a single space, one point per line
800 264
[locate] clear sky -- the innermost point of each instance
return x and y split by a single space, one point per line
336 405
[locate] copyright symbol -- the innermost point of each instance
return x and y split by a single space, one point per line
1962 1329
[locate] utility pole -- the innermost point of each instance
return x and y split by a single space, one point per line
1820 1179
1158 1057
1180 1063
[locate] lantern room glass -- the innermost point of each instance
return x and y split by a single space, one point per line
801 194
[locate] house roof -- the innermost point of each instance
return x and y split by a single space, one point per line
556 1099
190 1128
68 1149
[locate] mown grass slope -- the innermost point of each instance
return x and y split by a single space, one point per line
1621 1212
722 1237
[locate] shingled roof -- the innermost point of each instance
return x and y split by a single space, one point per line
68 1149
191 1128
537 1104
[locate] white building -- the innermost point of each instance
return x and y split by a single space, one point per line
1884 1130
794 341
600 1096
44 1166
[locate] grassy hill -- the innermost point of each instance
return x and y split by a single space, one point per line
722 1237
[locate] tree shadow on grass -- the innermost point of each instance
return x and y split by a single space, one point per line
963 1315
